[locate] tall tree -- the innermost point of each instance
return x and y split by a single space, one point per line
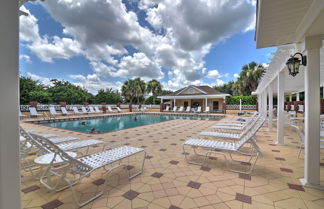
128 92
154 87
140 88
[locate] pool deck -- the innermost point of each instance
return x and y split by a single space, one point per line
169 181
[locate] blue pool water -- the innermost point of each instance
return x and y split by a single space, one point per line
107 124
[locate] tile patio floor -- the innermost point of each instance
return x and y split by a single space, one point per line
169 182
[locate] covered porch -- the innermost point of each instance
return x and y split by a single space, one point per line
302 33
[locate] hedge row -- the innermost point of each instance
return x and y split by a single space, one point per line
246 100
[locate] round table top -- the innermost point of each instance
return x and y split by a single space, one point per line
47 158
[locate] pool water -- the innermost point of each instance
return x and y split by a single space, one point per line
107 124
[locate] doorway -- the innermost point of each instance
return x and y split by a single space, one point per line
215 106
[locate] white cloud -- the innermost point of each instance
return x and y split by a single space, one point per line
219 82
213 74
102 31
41 79
25 57
236 76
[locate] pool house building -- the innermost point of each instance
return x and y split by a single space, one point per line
196 96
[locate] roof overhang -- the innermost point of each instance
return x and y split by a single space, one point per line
281 22
218 96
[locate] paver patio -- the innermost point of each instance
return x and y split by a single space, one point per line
169 182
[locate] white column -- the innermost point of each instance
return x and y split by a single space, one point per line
205 103
270 94
259 103
9 121
290 98
297 97
280 111
161 100
312 113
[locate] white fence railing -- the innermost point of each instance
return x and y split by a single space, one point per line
244 107
43 107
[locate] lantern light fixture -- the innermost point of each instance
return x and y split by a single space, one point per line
294 62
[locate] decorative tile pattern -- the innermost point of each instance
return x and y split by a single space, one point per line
243 198
163 150
129 167
212 158
275 150
194 185
174 162
30 189
204 168
287 170
131 194
174 207
98 182
296 187
148 156
280 158
53 204
244 176
157 175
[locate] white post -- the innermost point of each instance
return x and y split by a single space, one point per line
280 111
270 93
259 103
9 94
297 97
161 100
265 102
174 102
240 105
205 103
312 113
290 98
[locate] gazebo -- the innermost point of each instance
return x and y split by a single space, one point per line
294 26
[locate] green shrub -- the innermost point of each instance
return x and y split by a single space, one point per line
149 100
246 100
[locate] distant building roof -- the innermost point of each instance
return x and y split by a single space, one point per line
196 91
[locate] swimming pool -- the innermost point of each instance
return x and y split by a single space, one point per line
107 124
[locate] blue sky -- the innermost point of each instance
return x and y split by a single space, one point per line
101 44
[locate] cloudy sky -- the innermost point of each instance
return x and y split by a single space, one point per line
101 43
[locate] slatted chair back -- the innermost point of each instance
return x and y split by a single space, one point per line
33 111
249 135
76 166
52 111
91 109
64 111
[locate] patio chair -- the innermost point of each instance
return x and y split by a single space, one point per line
92 110
207 110
53 112
180 109
64 111
76 111
235 126
167 109
174 109
97 109
198 109
111 110
221 147
73 170
188 109
239 122
228 135
119 110
84 110
33 112
302 139
22 115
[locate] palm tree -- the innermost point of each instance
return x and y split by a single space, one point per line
249 78
140 87
154 87
128 92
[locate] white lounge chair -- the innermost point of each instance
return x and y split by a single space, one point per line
92 110
83 167
97 109
180 109
188 109
33 112
76 111
221 147
234 126
22 115
174 109
84 110
119 110
111 110
228 135
167 109
53 112
206 110
198 109
64 111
